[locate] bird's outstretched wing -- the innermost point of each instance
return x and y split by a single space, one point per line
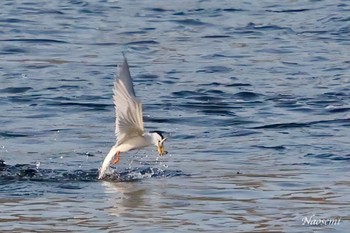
128 109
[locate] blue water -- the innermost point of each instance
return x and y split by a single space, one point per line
254 98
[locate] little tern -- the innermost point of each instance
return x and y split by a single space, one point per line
129 130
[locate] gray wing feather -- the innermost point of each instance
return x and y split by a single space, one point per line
128 109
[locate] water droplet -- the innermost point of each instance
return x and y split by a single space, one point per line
88 154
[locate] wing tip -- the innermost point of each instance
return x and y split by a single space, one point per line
125 60
122 67
124 64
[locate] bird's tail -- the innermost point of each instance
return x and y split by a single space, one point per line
107 162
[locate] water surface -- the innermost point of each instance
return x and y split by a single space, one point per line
253 97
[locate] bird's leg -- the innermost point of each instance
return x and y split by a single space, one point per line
117 158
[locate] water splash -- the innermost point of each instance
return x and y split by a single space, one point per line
37 164
23 172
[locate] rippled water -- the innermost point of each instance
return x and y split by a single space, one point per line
253 96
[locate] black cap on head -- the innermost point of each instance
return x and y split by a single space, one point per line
158 132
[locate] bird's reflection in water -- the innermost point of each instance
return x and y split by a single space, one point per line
124 196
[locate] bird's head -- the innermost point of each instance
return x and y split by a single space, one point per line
158 140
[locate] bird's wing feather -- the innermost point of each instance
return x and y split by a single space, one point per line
128 109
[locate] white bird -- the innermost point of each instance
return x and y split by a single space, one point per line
129 128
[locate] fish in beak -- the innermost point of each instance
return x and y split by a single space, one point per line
161 149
